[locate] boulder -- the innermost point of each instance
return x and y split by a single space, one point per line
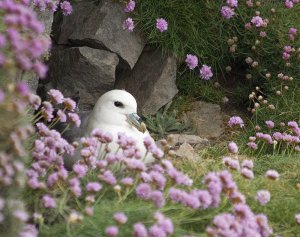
207 119
99 26
30 77
152 80
91 72
187 151
190 139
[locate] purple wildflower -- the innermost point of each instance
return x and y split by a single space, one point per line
227 12
128 24
191 61
129 6
112 231
233 148
297 217
263 197
205 72
143 191
272 174
270 124
158 198
56 96
120 217
66 8
80 170
48 201
161 24
93 187
139 230
257 21
247 173
248 164
235 121
232 3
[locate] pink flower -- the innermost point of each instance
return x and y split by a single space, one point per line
127 181
263 197
257 21
270 124
120 217
128 24
69 104
56 96
262 34
74 119
129 6
143 191
247 164
252 145
66 8
205 72
161 24
235 121
247 173
139 230
297 217
227 12
112 231
191 61
80 170
48 201
93 187
288 4
272 174
233 148
232 3
61 116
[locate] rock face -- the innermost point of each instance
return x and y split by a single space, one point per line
91 72
47 18
152 80
187 151
93 54
190 139
207 119
100 26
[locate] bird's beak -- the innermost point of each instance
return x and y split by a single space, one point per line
135 121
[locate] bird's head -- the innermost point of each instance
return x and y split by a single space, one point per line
117 107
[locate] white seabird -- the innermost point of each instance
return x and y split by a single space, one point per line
115 112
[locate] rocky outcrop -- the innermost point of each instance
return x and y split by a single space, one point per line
93 54
100 26
207 119
152 80
91 72
47 18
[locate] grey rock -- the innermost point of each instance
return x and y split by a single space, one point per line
100 26
30 77
151 82
91 72
207 119
187 151
190 139
47 18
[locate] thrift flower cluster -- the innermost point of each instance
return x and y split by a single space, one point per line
91 178
52 5
22 44
192 63
228 11
128 24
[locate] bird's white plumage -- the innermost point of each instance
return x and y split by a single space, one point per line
113 119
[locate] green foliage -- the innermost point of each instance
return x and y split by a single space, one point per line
164 123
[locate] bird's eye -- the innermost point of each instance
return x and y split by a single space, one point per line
119 104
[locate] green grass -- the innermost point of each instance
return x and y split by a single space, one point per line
285 195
